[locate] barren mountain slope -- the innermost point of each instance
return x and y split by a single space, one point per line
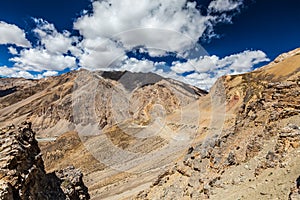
257 154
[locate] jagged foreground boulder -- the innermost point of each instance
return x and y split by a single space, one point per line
22 173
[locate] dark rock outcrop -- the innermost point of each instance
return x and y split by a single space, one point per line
295 191
22 173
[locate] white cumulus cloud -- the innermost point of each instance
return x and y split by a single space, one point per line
5 71
158 26
12 50
135 65
40 59
50 73
12 34
14 72
205 70
224 5
51 51
243 62
52 40
100 54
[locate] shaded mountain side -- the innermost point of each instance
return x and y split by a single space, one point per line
131 81
257 154
22 173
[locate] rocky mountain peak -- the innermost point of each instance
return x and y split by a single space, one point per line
284 56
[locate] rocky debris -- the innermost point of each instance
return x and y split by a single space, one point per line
72 184
162 178
6 191
288 137
295 191
231 159
253 147
22 173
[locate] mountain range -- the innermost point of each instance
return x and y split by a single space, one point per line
142 136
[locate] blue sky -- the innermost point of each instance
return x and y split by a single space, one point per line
271 26
194 42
